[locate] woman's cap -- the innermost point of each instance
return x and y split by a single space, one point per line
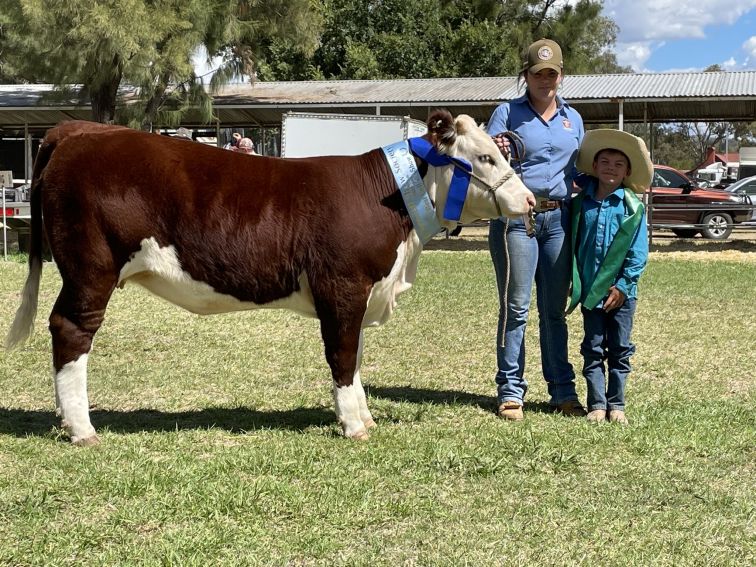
641 168
543 54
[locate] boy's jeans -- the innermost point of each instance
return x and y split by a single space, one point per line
607 337
545 259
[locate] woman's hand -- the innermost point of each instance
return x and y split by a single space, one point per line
502 142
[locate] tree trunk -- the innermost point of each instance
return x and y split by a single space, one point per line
154 103
103 93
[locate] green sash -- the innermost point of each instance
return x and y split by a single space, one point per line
615 256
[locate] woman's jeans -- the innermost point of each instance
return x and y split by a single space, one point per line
607 337
545 259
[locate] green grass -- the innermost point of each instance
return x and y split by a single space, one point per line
219 444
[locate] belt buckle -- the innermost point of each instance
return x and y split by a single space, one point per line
545 204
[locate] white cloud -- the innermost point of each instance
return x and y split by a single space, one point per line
634 54
657 20
730 65
749 46
645 25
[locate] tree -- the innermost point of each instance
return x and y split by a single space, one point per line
372 39
106 44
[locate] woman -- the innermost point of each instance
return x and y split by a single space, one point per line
551 132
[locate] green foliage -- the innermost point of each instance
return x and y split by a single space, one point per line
106 44
446 38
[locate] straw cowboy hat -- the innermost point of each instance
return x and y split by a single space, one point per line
641 168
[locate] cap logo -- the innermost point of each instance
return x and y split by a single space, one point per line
545 53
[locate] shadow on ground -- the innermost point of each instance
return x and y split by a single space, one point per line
745 242
24 422
21 422
409 394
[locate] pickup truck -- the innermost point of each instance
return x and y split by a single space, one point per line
677 204
16 214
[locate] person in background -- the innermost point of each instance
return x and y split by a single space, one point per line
610 250
246 146
235 137
551 132
183 133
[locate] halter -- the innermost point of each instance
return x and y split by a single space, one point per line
455 200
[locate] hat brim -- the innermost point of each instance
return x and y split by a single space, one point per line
641 168
540 66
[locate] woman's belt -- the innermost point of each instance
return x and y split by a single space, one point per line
543 205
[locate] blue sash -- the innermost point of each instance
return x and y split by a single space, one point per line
412 188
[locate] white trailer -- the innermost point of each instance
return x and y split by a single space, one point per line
747 166
305 134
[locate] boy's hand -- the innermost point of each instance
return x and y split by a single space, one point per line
615 299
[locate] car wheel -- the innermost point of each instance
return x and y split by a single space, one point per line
685 232
716 226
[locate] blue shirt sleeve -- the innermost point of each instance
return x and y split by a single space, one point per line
498 122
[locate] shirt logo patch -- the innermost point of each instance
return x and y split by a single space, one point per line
567 124
545 53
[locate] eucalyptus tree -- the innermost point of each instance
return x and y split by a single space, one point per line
147 45
368 39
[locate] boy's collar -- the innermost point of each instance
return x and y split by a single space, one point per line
593 187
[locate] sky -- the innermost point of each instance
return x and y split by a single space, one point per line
684 35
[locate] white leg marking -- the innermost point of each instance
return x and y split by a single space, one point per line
55 391
348 411
365 414
71 393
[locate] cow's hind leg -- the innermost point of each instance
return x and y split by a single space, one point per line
75 318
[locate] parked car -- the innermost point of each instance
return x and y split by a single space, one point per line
746 186
677 204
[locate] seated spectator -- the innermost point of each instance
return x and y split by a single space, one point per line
184 133
235 137
245 146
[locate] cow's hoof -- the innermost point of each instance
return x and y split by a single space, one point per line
360 436
369 424
86 441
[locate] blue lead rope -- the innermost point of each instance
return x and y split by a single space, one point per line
411 186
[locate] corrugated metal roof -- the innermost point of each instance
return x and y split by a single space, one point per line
659 97
490 89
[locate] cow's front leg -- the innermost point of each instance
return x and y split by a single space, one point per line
365 415
341 338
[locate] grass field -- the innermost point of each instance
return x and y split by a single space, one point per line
220 447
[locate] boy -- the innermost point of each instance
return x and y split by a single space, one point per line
610 250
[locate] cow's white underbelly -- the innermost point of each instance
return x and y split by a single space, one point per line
382 300
158 269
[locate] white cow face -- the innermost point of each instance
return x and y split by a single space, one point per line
465 139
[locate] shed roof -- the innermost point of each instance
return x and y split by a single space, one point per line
658 97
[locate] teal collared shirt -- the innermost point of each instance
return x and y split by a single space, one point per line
599 223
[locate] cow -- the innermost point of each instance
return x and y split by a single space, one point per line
215 231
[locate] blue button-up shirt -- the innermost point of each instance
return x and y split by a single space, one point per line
599 223
550 147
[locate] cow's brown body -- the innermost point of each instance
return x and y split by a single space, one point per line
212 231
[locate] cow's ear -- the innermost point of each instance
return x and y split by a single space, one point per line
441 129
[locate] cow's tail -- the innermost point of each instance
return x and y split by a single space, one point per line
23 324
